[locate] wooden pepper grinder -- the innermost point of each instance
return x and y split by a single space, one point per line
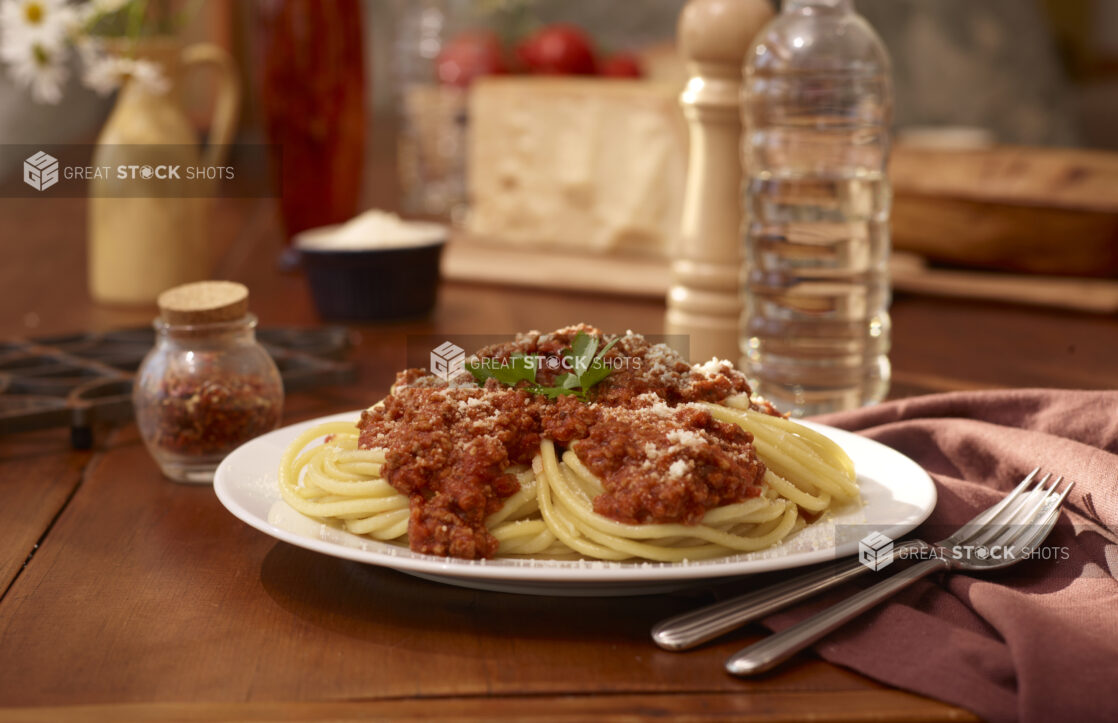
703 301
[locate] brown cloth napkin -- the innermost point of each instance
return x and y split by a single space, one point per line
1037 641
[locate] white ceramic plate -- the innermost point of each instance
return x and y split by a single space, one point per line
898 495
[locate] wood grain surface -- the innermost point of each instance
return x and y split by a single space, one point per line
871 706
37 477
150 591
474 260
146 600
1068 178
1037 210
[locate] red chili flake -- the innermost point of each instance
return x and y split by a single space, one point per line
199 415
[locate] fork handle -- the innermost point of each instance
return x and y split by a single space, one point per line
777 648
689 629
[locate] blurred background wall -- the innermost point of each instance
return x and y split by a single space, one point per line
1035 72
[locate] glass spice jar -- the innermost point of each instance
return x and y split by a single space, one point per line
208 385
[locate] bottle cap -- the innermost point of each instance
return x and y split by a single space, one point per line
204 302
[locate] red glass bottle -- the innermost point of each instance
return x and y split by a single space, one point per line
312 90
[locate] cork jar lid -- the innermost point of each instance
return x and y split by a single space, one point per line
203 302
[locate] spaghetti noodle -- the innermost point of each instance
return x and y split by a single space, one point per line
635 472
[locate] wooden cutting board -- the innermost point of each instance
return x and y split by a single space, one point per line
467 259
1034 210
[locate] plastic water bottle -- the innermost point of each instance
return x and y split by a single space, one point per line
817 105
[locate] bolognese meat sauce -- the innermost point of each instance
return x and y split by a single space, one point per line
660 456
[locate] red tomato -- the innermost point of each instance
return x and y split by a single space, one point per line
559 49
470 54
621 65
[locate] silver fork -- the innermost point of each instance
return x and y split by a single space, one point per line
689 629
1007 537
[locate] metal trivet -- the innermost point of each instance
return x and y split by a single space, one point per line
78 379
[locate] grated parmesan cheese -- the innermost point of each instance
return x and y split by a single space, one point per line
679 468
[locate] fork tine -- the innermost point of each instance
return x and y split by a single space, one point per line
1042 530
1060 500
1022 515
1029 504
972 527
1032 513
1003 512
1006 501
1038 514
1030 501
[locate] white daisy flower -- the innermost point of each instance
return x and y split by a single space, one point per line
101 74
107 73
150 75
25 24
90 48
41 69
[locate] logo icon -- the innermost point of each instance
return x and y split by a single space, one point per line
40 171
875 550
447 360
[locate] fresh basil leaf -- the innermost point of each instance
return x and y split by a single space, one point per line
511 371
480 373
567 381
609 346
582 352
526 365
598 371
588 369
516 368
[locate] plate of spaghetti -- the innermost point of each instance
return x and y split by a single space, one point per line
573 463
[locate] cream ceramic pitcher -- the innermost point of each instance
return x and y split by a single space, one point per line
139 247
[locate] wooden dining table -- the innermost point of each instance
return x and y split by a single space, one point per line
125 596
